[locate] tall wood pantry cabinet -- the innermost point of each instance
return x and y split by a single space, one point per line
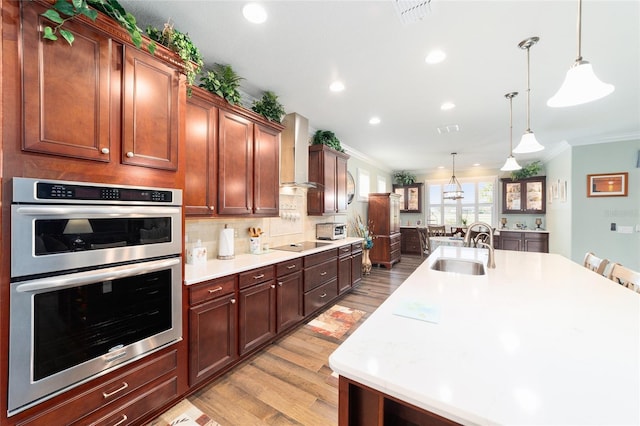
384 213
327 167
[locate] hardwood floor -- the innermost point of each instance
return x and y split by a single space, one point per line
290 382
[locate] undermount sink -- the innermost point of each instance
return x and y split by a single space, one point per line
460 266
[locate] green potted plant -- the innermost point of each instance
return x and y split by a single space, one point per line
326 137
404 178
224 82
63 11
529 170
181 44
269 107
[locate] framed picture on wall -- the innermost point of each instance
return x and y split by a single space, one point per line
608 185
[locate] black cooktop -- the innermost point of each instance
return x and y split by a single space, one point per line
302 246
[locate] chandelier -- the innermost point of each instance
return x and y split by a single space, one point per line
453 190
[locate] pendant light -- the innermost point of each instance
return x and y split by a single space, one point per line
528 143
511 164
453 190
580 84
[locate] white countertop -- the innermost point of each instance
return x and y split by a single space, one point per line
215 268
538 340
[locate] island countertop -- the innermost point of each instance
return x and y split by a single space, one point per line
537 340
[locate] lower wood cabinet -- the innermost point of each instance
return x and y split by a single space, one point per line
524 241
409 241
320 280
256 308
344 269
289 292
356 263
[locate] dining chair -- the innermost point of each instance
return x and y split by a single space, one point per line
595 263
425 247
625 277
437 230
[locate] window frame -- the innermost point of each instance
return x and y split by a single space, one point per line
460 204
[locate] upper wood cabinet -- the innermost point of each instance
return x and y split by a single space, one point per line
524 196
410 197
266 169
98 99
327 167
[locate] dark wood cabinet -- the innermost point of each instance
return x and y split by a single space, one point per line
213 315
320 280
150 111
327 167
524 241
409 241
257 308
344 269
410 197
356 263
289 293
526 196
266 180
384 213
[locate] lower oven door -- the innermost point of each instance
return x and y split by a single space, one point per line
68 329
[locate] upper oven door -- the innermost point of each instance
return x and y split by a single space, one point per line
48 239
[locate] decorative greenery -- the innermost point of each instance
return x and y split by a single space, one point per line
223 81
404 178
63 11
326 137
181 44
529 170
362 230
269 107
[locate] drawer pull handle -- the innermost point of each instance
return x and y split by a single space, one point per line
273 286
215 290
124 419
291 267
120 389
280 283
233 301
323 295
323 273
257 277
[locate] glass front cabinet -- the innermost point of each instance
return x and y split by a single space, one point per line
410 197
524 196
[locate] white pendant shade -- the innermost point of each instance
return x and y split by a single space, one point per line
511 164
580 86
528 144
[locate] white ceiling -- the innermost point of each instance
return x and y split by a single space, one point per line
305 45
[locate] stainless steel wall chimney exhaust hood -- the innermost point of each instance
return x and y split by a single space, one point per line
294 152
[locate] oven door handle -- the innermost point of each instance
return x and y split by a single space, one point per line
90 277
99 211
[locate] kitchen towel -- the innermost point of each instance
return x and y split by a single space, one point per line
225 244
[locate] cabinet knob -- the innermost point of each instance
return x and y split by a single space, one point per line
129 154
212 208
280 283
104 150
273 286
233 301
323 295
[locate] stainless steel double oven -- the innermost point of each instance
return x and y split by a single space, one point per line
96 275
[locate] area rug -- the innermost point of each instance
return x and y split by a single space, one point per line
335 321
183 414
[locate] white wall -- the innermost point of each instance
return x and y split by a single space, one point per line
558 217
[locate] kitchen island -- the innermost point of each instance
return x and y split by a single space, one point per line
537 340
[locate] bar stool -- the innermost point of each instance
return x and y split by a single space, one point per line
594 263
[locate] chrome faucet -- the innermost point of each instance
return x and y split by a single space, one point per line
491 263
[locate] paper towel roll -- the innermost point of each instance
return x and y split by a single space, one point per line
225 244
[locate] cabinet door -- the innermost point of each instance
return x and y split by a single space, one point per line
356 268
257 319
235 162
394 214
62 115
266 160
511 241
536 242
150 111
201 174
534 197
212 337
341 185
512 197
524 196
330 173
289 300
344 274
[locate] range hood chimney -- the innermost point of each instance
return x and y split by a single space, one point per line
294 152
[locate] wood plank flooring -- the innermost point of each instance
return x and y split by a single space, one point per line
290 382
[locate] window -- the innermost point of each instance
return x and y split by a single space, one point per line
364 183
382 184
478 203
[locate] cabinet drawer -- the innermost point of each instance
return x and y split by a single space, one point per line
344 251
288 267
113 390
320 274
356 247
316 299
314 259
211 289
256 276
136 408
395 238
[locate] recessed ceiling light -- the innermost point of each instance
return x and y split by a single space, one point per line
374 120
336 86
476 164
441 167
254 13
435 57
447 106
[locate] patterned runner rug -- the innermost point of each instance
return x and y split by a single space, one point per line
335 321
183 414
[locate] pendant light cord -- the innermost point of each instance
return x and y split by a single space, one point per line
579 24
528 92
